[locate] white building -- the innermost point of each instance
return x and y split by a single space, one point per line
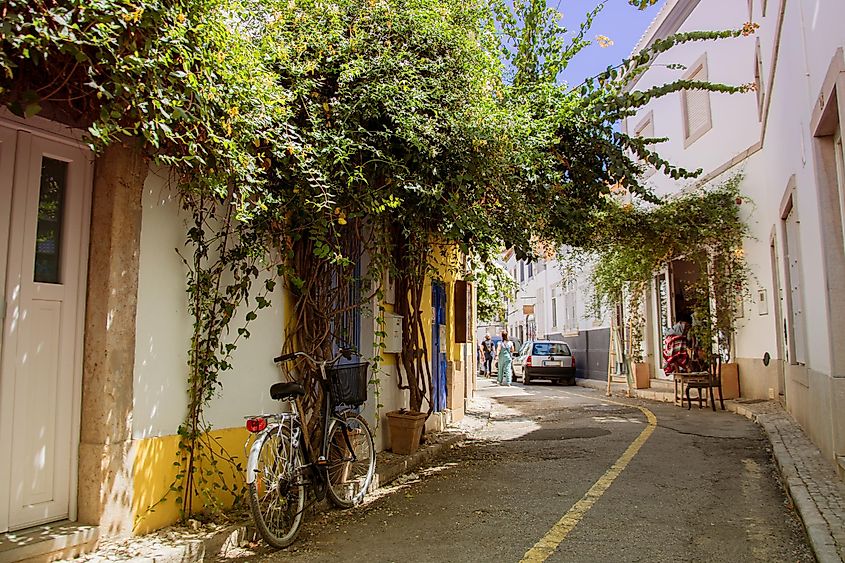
551 303
785 139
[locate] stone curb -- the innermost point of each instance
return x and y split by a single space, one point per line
821 538
600 385
189 551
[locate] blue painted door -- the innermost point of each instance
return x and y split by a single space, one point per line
438 346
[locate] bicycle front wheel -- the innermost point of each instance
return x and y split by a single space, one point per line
277 496
350 459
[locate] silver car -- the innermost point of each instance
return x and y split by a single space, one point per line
545 359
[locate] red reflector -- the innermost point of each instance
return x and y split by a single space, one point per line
256 424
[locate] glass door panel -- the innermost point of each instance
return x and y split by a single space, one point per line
48 242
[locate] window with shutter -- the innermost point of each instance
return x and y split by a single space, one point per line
646 127
463 311
696 105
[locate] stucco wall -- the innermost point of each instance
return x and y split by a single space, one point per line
735 125
164 325
775 154
810 38
756 380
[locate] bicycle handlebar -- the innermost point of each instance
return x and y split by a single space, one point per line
344 352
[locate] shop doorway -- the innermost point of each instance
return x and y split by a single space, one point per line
671 301
438 346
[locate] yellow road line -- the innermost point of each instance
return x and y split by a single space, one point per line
546 546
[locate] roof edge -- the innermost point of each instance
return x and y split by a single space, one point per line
668 21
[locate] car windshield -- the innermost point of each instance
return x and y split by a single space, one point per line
550 349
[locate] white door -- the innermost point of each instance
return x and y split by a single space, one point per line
44 195
798 344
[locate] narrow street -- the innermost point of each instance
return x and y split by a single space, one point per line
702 487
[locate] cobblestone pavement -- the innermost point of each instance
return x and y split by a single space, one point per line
812 482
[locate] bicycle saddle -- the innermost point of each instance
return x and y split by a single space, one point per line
280 391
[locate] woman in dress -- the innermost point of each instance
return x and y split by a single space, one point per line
505 355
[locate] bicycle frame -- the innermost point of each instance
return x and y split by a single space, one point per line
296 430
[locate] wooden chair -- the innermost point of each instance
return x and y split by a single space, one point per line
708 380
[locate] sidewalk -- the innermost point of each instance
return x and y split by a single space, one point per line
812 483
198 541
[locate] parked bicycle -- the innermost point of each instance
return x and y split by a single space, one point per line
281 468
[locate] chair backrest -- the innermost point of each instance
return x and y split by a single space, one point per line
715 367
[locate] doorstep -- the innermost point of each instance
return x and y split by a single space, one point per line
48 542
662 390
438 421
656 395
662 385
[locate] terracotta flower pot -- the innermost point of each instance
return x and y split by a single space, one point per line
642 376
405 430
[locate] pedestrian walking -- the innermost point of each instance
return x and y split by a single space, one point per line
505 354
487 349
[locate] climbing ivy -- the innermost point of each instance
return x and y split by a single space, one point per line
704 226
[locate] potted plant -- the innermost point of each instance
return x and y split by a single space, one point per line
405 426
640 369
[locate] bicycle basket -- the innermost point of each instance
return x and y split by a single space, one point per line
348 383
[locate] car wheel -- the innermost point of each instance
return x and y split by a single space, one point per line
526 380
571 381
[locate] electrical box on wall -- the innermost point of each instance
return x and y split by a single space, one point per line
393 333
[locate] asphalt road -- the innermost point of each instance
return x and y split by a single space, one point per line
702 487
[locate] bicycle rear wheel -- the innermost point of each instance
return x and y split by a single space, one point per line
277 496
350 459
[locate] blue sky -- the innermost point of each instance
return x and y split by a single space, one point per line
619 21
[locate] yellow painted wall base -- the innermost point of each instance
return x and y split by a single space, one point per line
156 466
